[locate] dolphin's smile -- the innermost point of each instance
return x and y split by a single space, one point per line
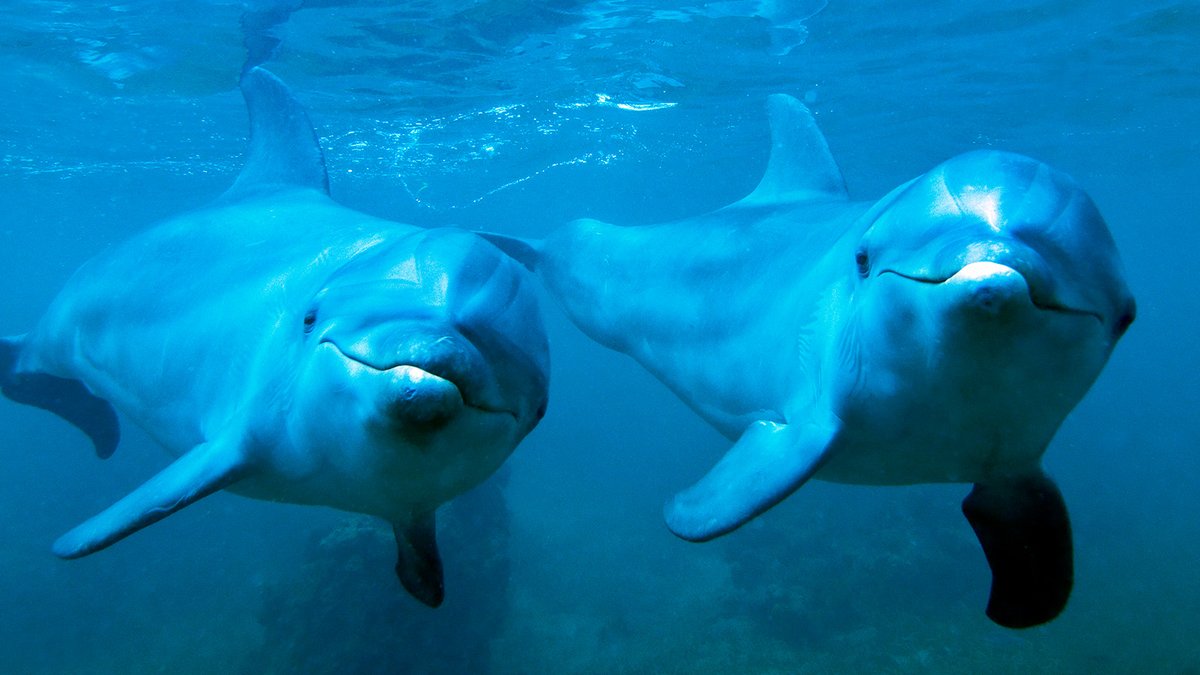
975 272
423 381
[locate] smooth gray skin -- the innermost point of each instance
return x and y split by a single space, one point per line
289 349
940 334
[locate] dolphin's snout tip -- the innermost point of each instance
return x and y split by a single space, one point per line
990 286
984 271
420 398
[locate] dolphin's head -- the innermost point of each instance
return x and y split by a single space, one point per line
433 340
992 266
1010 210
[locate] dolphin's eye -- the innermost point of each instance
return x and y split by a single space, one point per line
310 320
863 262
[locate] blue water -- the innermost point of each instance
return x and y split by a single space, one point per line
515 117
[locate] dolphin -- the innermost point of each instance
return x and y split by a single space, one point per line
940 334
287 348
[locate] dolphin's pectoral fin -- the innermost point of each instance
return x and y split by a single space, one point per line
418 563
202 471
1025 533
766 464
67 398
523 251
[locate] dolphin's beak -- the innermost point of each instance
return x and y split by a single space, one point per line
417 397
992 284
433 376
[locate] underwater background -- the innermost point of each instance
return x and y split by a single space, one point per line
516 117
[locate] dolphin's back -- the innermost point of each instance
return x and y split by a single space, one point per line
162 325
666 294
757 272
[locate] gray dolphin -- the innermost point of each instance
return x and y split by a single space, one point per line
286 348
940 334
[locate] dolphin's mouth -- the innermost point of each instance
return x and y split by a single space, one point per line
1039 300
441 371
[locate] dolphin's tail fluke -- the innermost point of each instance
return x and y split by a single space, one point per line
67 398
525 251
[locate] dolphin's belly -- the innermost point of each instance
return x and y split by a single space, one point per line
389 474
924 443
881 464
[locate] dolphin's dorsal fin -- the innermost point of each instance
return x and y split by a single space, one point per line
284 150
801 168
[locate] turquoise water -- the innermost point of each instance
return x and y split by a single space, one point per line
515 117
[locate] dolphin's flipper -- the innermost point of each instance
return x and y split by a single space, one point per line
69 399
767 463
800 167
418 563
524 251
284 150
1026 536
202 471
